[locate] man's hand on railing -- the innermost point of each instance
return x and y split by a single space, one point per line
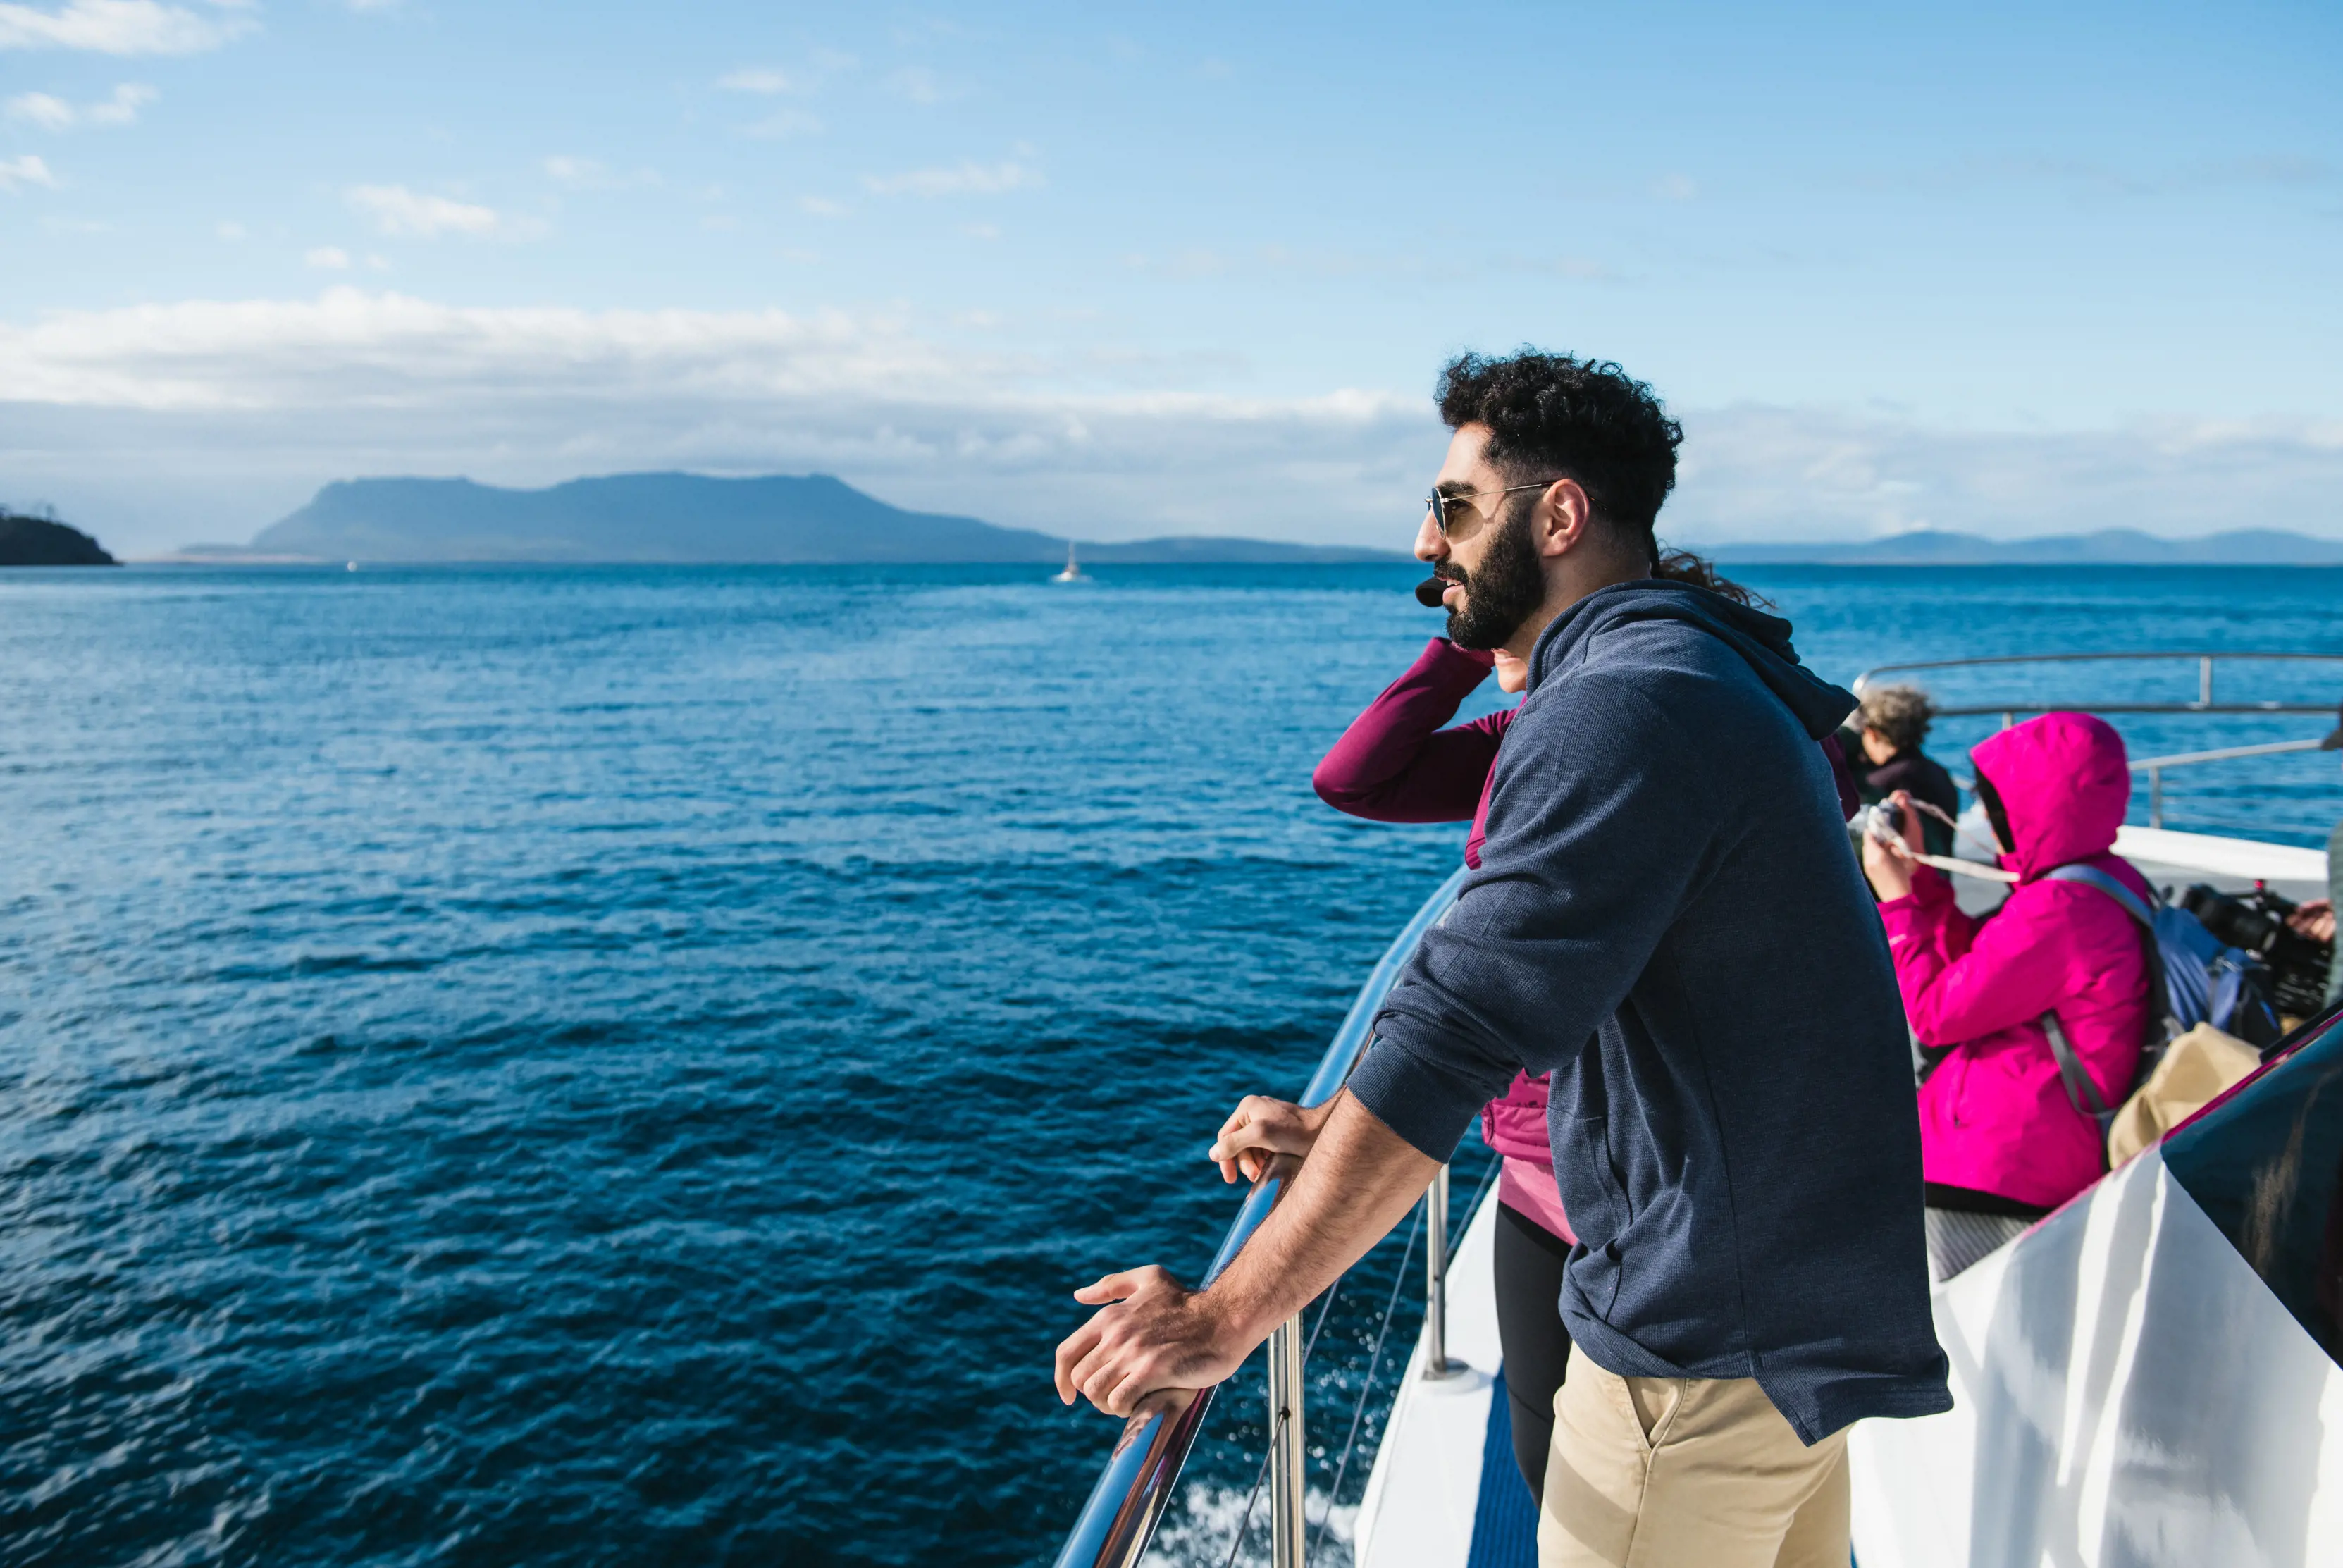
1151 1335
1264 1137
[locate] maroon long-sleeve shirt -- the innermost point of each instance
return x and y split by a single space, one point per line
1395 763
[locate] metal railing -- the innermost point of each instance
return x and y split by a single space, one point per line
2154 767
1120 1518
2206 661
1435 1276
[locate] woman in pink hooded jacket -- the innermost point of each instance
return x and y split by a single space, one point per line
2001 1144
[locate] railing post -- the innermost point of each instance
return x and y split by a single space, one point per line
2156 797
2008 719
1435 1276
2204 681
1286 1480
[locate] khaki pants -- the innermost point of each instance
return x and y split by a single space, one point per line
1687 1473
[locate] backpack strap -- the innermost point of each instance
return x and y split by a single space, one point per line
2134 905
2163 1026
2160 1023
2079 1086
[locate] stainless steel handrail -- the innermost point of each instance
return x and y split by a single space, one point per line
1125 1505
2154 767
1288 1476
1435 1276
2222 754
2206 659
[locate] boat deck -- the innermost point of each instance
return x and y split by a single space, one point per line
1444 1492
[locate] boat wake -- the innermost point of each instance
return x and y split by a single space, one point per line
1199 1530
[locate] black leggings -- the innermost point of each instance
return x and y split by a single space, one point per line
1530 1334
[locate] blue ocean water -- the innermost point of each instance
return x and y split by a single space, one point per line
617 1066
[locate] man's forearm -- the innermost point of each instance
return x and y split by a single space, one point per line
1360 1178
1149 1335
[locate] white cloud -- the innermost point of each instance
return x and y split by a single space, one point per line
229 230
396 210
358 382
764 83
917 85
27 170
783 124
117 28
273 397
1675 188
587 175
40 109
51 113
821 206
1759 473
967 178
122 109
769 82
329 258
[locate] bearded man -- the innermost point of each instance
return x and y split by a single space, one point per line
1665 918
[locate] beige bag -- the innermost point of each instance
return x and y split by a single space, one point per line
2197 1068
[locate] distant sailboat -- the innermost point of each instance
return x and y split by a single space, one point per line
1072 574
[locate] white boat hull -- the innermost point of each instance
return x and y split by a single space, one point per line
2127 1392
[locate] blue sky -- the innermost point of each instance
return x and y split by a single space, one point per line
1122 271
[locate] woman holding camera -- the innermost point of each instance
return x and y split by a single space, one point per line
1888 731
2003 1139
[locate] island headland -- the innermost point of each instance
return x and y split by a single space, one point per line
689 519
29 541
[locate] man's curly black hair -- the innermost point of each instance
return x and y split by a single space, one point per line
1555 414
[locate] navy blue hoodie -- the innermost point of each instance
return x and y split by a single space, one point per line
1668 919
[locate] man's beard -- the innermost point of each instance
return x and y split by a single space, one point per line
1503 590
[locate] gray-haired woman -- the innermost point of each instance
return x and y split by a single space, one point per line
1891 724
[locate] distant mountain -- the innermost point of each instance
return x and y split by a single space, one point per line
1210 550
688 518
46 542
2109 547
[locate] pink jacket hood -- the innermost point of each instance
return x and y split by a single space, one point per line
2064 783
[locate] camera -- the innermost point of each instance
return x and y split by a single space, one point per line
1884 822
2255 921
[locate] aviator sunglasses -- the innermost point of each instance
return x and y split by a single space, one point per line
1437 504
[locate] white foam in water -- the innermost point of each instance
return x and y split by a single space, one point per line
1199 1529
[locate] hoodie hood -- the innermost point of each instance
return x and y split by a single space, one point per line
1762 641
2064 784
